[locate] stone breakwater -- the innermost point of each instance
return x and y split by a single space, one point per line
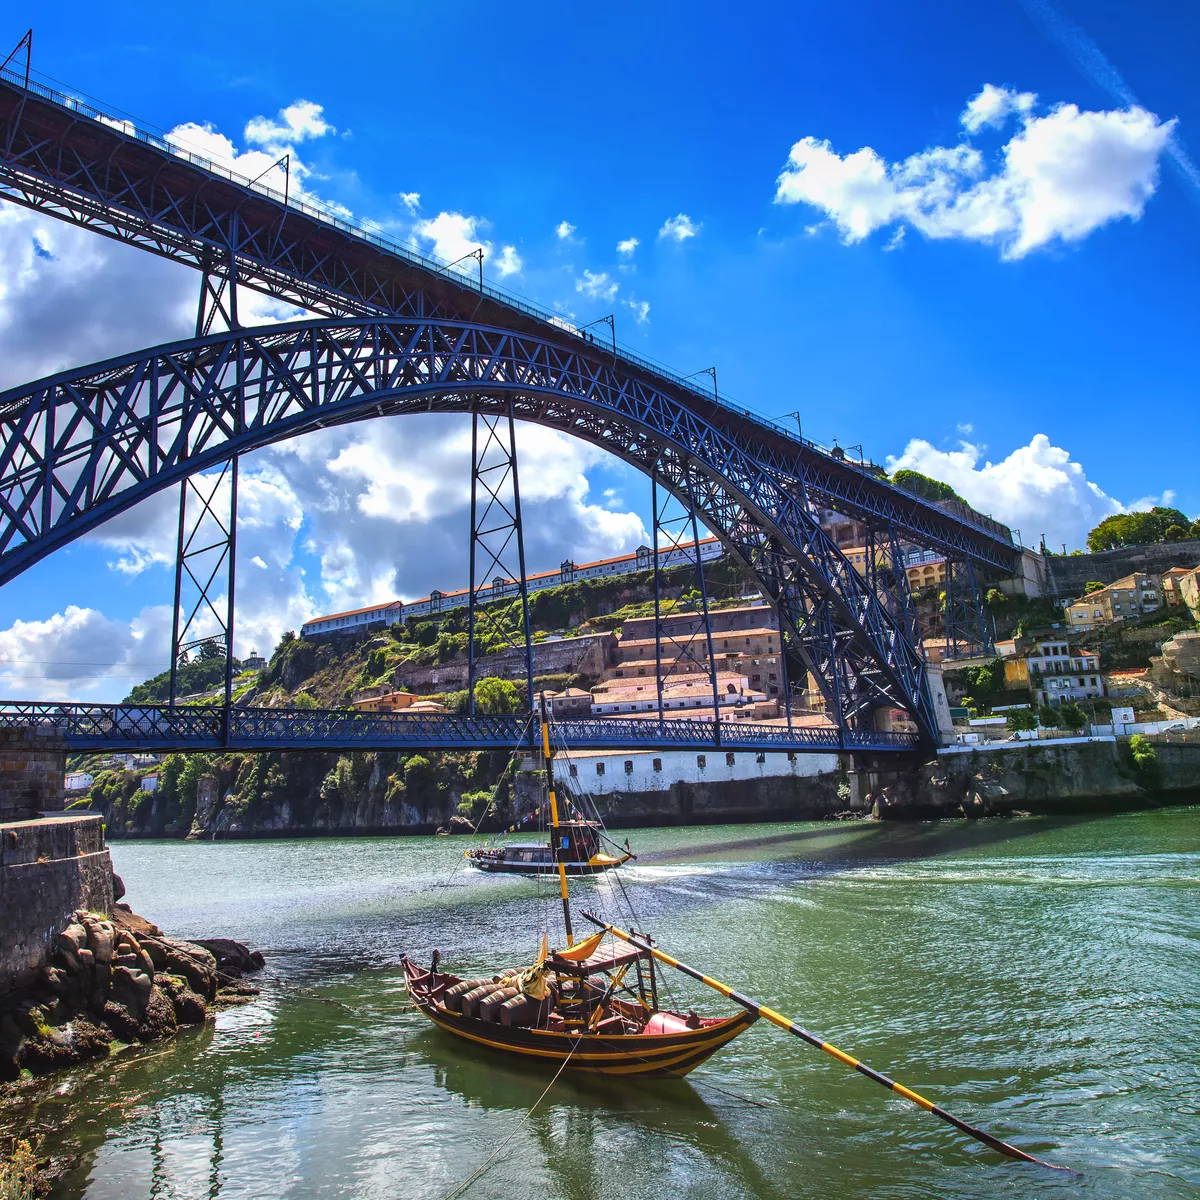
113 981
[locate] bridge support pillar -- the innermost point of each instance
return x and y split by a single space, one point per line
686 653
497 547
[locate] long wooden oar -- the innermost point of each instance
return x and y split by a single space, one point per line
761 1010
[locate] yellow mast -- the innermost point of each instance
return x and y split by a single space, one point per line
548 756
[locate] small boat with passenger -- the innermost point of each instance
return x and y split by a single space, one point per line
576 847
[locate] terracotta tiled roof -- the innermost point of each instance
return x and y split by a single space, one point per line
353 612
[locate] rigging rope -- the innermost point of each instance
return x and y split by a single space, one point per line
487 1162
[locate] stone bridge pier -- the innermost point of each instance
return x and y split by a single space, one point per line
51 863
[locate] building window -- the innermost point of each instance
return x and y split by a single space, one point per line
701 761
760 757
574 771
770 674
791 756
629 766
600 768
729 758
658 764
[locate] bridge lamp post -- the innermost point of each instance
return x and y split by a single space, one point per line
612 327
477 254
707 371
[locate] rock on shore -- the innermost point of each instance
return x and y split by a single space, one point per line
117 979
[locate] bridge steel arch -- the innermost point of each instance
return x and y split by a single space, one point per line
66 159
83 445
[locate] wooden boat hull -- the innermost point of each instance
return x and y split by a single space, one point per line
670 1055
547 868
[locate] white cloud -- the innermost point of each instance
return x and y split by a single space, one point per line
597 286
896 240
297 122
1091 60
564 229
641 310
679 228
509 262
1061 177
627 246
1037 488
454 236
993 106
80 654
411 200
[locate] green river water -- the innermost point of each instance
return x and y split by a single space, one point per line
1038 976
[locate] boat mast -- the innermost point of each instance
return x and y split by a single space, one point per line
548 758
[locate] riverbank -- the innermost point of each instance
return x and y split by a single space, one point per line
112 981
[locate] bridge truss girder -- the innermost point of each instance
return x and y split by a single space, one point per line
63 158
83 445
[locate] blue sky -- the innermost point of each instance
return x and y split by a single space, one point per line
1011 282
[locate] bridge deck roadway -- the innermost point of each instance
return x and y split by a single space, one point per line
98 727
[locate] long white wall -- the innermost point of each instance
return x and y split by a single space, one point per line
684 766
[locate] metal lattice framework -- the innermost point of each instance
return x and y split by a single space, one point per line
81 446
397 333
188 727
497 554
71 161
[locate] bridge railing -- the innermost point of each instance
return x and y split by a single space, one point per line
374 235
206 727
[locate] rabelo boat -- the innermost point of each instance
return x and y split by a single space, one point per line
590 1007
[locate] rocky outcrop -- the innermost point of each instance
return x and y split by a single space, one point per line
116 980
1038 776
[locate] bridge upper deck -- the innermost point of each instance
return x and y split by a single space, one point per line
65 158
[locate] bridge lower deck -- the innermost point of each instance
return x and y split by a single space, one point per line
96 727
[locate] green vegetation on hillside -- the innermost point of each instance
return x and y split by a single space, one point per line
199 675
925 487
1142 528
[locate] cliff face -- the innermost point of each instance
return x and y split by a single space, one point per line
1043 777
291 794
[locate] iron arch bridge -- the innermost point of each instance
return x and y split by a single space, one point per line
397 334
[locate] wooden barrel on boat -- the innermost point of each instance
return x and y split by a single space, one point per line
454 996
489 1009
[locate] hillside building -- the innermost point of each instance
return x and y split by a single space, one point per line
1129 598
379 616
1054 673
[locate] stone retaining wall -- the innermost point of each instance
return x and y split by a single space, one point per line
48 869
32 773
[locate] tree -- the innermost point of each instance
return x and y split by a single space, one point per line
210 650
1021 720
924 486
494 696
1071 716
1048 717
1174 533
303 700
1135 528
424 633
1093 585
